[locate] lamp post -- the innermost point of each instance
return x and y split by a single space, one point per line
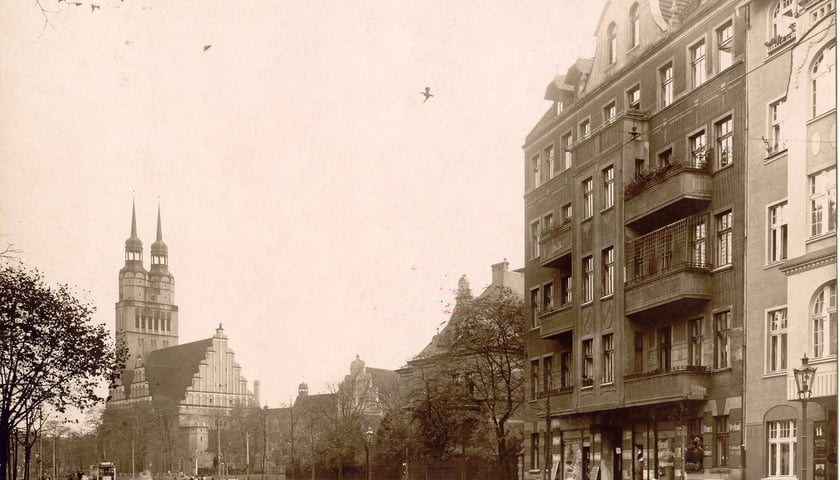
368 439
804 378
265 441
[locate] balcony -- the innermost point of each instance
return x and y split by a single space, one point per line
684 383
776 43
552 393
671 190
556 321
667 267
555 243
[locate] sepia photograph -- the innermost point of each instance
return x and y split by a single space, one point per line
430 240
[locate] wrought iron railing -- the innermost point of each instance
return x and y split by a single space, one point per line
678 246
778 41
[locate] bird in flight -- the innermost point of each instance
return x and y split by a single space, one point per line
207 47
426 94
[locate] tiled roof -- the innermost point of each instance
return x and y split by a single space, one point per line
169 371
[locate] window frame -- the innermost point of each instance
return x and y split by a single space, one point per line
610 112
535 307
607 271
723 339
827 318
724 235
536 164
777 232
695 342
774 438
612 44
776 338
551 169
567 140
587 362
666 84
725 140
588 275
723 43
697 64
608 187
547 297
588 189
634 97
635 27
820 202
535 238
774 126
585 128
721 440
828 51
608 360
698 146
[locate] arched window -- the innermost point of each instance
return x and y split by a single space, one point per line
613 43
823 93
824 321
635 29
782 18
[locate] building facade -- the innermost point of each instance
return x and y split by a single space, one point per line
201 380
791 247
634 228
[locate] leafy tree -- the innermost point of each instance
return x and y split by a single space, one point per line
488 346
51 355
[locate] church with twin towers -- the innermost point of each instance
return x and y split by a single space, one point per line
201 378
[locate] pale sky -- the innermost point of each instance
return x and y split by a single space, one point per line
311 202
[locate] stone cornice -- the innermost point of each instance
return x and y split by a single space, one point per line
809 261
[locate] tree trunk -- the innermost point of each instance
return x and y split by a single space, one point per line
4 449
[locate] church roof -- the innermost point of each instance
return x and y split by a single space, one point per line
169 371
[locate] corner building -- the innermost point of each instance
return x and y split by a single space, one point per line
791 252
634 271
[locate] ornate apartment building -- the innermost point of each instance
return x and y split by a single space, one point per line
634 233
202 378
791 277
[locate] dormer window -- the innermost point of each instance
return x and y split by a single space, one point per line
635 27
613 43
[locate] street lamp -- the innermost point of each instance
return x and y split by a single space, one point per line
368 439
804 376
265 441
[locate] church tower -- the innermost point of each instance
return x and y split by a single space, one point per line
146 314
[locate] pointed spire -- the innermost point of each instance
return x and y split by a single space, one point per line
133 220
159 230
133 245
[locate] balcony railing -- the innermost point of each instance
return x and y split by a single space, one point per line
555 242
669 184
556 320
555 382
779 41
668 264
680 383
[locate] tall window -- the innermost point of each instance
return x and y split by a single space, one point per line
610 112
535 451
566 369
535 168
548 297
777 234
723 326
724 42
823 201
584 128
824 321
781 448
567 213
567 151
823 88
613 43
697 143
608 365
588 274
535 239
535 308
548 373
666 84
635 28
783 18
588 206
634 98
697 57
724 238
548 221
608 175
722 440
663 338
638 351
548 153
608 273
695 354
588 364
726 154
535 378
777 340
566 290
775 143
698 244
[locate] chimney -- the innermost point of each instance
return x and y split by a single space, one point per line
257 393
499 270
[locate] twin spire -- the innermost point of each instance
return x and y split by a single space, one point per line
134 246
